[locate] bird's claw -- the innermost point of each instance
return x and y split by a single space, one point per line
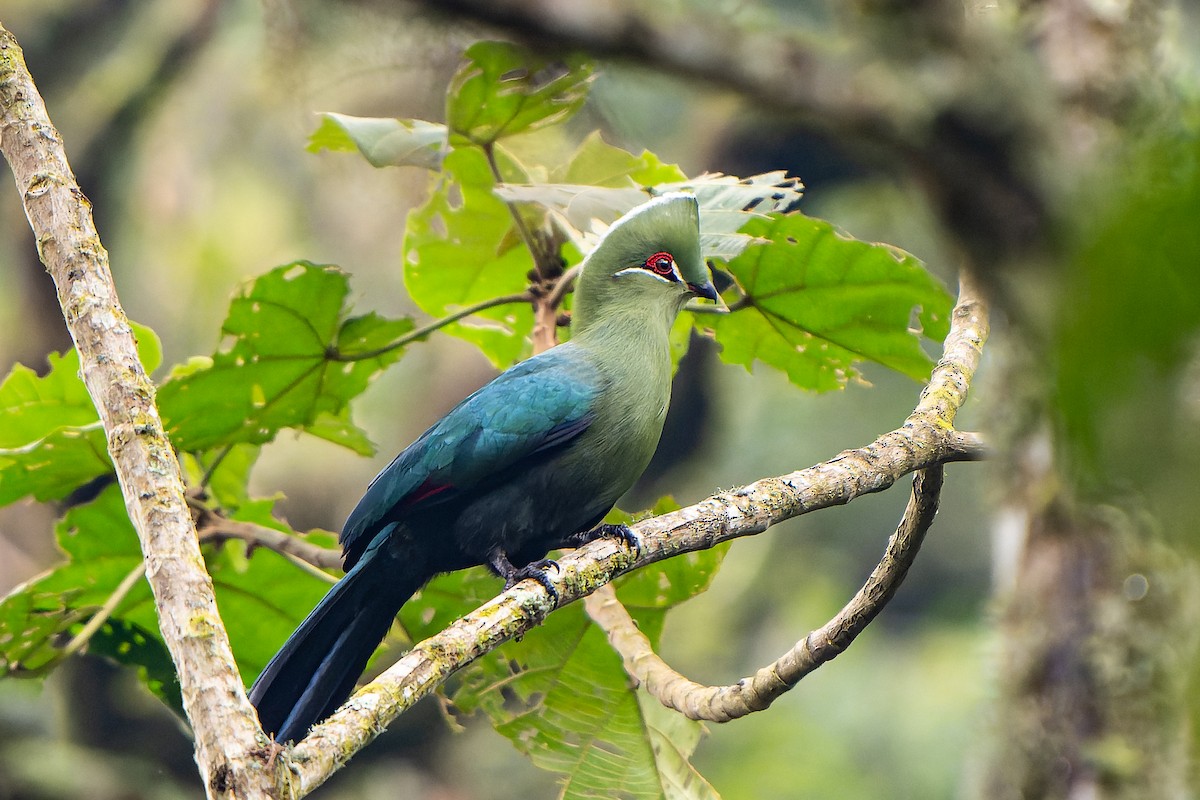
535 570
609 531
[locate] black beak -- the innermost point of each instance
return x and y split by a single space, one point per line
706 290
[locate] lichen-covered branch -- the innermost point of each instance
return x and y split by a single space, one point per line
757 692
69 246
926 440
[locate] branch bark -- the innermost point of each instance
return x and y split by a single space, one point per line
225 725
757 692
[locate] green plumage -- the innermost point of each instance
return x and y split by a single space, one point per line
535 457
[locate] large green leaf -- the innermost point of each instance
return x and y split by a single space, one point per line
51 441
502 90
597 163
561 694
460 249
295 359
384 142
818 302
129 643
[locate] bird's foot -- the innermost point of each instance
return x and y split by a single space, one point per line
608 531
535 570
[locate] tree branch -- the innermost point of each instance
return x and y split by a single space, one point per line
926 440
757 692
215 528
60 216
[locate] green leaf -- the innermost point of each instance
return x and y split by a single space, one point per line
51 441
294 360
52 467
503 90
460 249
384 142
673 738
598 163
260 621
562 697
818 302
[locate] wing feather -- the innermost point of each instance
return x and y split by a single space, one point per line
531 409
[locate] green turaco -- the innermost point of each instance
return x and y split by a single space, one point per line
530 462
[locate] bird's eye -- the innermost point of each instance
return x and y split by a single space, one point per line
661 264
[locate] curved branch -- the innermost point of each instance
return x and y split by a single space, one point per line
757 692
926 440
944 394
224 722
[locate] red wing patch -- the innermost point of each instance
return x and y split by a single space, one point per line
425 491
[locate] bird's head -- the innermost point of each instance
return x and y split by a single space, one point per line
650 258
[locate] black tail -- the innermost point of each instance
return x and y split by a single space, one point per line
317 667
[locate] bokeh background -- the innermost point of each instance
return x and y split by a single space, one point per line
186 122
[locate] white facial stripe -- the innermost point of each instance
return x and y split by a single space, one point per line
643 271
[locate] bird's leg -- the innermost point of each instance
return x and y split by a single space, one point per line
606 530
513 575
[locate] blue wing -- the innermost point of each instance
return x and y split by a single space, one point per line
538 405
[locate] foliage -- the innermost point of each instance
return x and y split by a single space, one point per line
1126 343
816 302
383 142
51 441
806 299
295 360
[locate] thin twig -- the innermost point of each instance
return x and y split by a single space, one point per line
564 284
531 243
214 528
110 605
430 327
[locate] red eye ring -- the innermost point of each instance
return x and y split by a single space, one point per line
661 264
